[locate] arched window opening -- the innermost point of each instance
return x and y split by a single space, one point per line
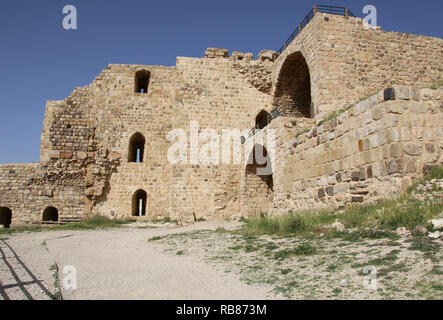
5 217
142 81
293 91
139 203
50 215
262 120
136 148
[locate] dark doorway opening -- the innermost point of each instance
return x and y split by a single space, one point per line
142 81
5 217
50 215
262 120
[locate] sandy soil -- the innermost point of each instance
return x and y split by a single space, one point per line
321 268
209 260
115 264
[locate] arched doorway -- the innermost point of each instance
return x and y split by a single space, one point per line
258 190
293 91
50 215
262 120
136 148
5 217
139 200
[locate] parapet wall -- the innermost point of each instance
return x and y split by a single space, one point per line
370 151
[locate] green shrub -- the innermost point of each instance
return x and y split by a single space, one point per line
387 214
303 249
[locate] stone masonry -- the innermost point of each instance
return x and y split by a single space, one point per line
387 129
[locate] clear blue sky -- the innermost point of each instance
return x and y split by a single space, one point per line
40 61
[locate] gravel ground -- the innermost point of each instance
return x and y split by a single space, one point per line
114 264
209 260
321 268
27 270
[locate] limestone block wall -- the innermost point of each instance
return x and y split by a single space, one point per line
214 93
119 113
85 141
371 151
348 61
68 149
210 91
27 194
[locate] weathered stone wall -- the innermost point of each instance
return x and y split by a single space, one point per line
348 61
226 101
209 90
27 191
84 167
370 151
123 113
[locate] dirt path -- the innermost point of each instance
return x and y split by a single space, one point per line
121 264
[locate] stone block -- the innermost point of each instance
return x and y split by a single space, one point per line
267 55
373 141
394 166
430 148
66 155
356 198
377 113
393 135
396 107
413 149
390 120
54 154
402 93
236 55
359 175
81 155
216 53
395 150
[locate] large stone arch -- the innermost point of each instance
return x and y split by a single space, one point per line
292 92
258 186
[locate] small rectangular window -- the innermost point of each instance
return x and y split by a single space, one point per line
142 81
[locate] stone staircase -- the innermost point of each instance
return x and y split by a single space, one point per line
69 219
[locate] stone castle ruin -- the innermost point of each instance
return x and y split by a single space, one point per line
351 123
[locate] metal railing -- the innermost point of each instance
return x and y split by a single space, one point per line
342 11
